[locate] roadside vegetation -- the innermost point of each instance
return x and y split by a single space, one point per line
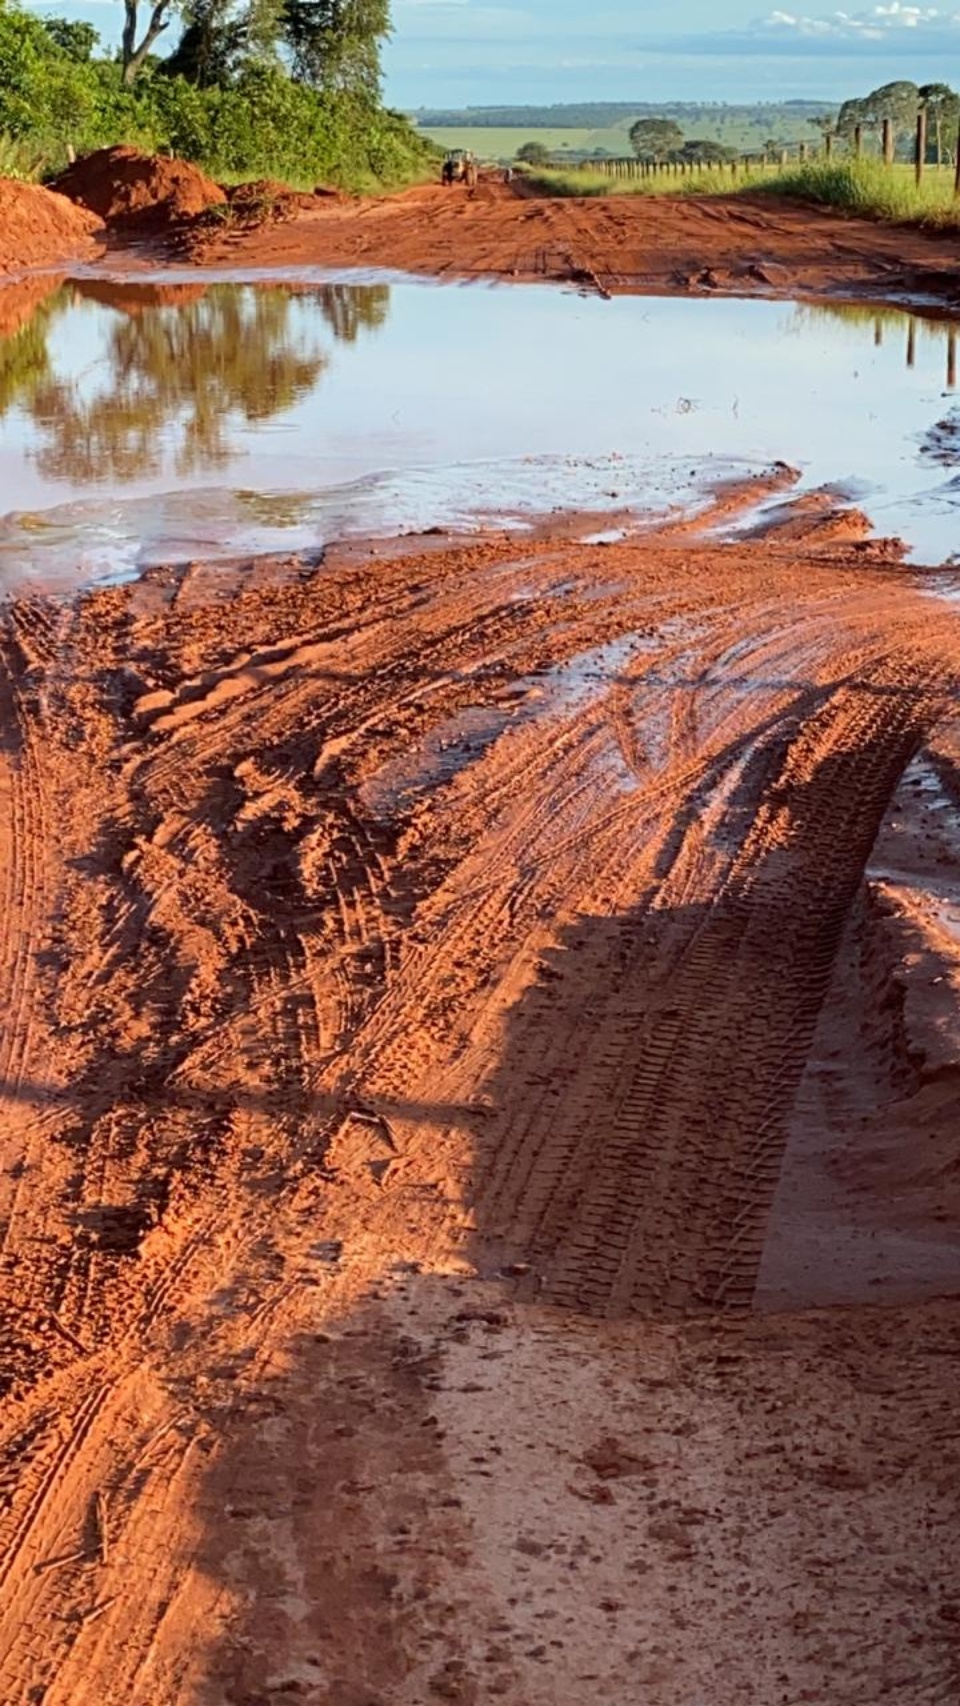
890 155
290 92
863 187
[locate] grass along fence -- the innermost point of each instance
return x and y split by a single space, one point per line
865 187
874 185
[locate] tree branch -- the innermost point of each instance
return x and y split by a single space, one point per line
133 57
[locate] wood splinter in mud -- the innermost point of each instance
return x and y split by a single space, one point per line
97 1610
103 1529
380 1124
70 1337
80 1556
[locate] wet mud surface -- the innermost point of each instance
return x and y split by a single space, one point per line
480 1127
745 245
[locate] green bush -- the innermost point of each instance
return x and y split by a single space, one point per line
260 124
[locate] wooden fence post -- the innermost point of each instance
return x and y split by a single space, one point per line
912 342
888 141
803 153
857 141
921 143
828 145
951 359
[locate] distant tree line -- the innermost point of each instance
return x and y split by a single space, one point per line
604 115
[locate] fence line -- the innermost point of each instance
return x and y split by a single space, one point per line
631 166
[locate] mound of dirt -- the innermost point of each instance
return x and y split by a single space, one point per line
266 199
38 227
129 189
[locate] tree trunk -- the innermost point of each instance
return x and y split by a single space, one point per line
133 57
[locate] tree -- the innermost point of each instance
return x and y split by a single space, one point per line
211 46
534 154
899 102
942 107
705 150
132 52
655 138
335 44
74 38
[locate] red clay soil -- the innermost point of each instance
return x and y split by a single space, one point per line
449 995
39 228
138 191
268 196
639 243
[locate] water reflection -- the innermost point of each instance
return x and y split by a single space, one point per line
181 367
888 325
185 416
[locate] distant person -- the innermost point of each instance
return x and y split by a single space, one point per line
508 174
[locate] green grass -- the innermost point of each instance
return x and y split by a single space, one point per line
711 181
861 187
18 159
868 188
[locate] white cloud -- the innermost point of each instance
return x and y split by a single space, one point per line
878 23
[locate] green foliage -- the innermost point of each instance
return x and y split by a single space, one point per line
336 44
898 101
238 113
711 153
74 38
533 153
655 138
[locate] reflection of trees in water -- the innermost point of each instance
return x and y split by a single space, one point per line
195 365
24 357
886 325
181 368
349 309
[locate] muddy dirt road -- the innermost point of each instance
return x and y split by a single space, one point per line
452 996
748 245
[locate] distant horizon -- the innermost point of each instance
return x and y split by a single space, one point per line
470 53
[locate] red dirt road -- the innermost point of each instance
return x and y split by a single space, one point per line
450 996
639 243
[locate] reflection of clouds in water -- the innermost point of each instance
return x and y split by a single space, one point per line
92 542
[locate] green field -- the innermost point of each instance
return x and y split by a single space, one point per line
733 129
496 144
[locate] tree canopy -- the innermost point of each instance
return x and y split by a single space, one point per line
534 153
655 138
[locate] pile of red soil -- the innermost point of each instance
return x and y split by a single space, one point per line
144 191
265 199
38 228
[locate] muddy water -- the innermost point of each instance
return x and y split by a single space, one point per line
172 419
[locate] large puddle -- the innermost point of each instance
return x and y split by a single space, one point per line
174 418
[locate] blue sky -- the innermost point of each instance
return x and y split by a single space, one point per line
478 52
